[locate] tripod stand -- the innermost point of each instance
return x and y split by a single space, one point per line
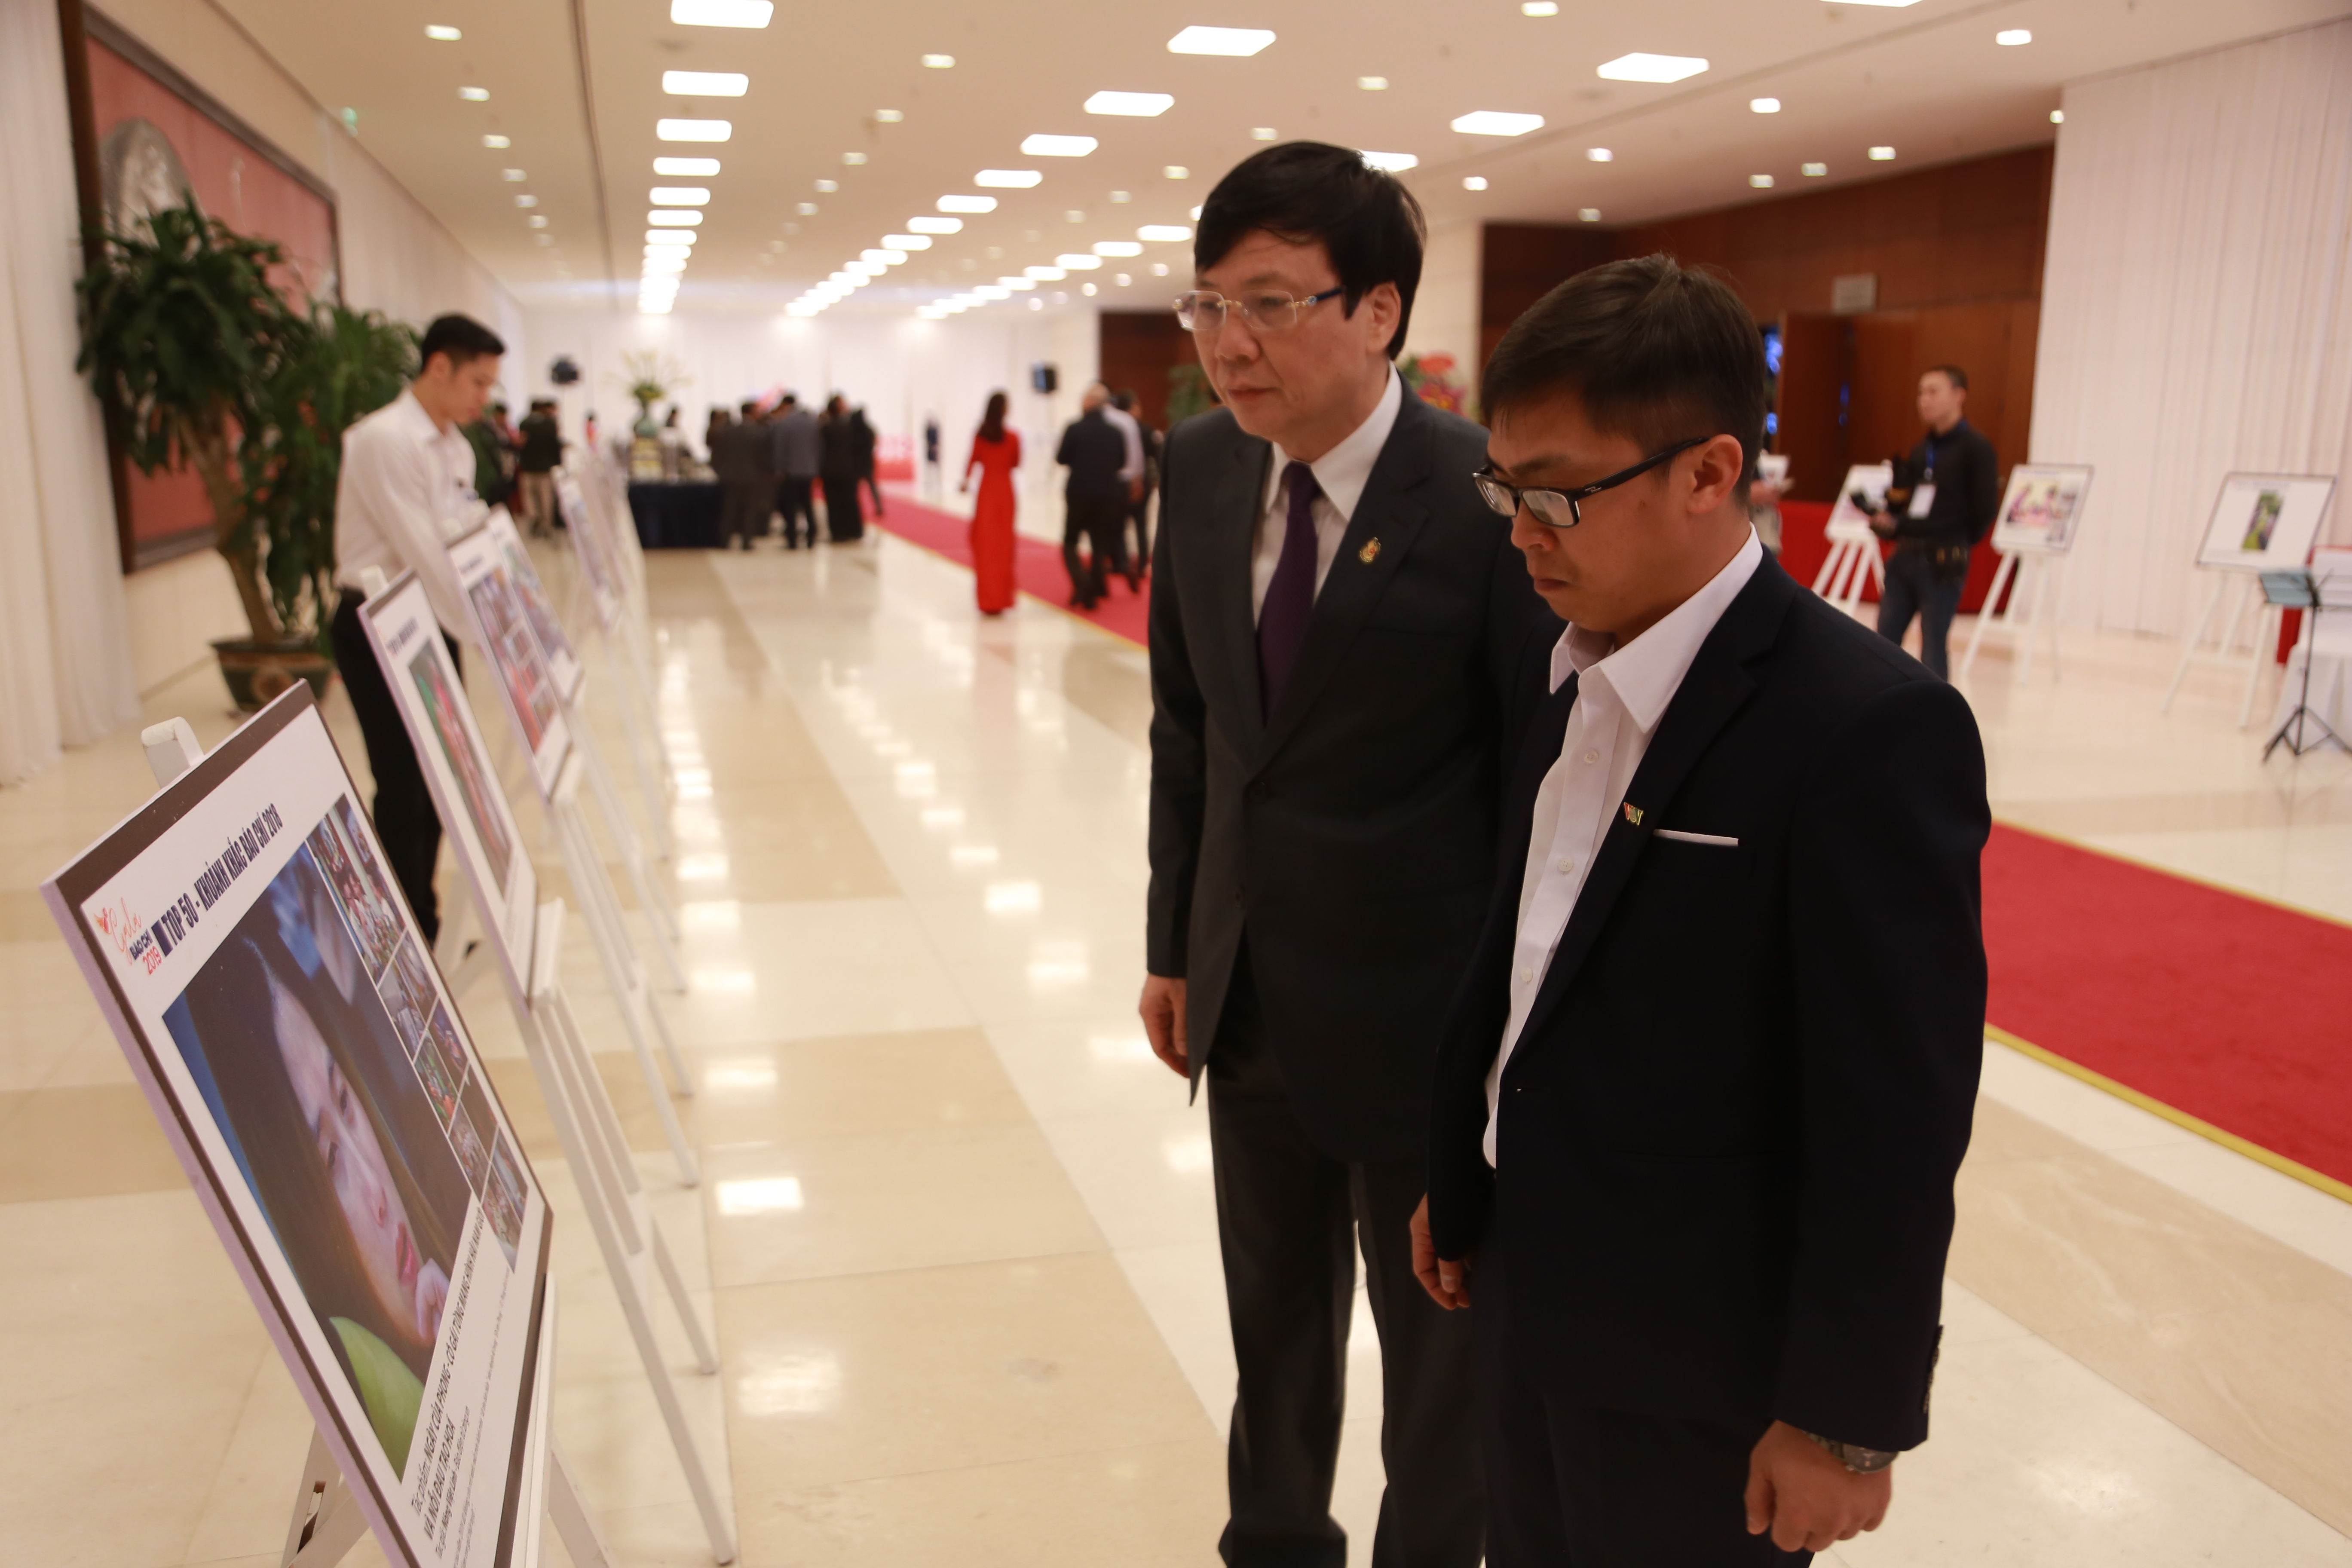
2302 590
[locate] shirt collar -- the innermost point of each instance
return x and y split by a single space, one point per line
1645 675
413 413
1342 472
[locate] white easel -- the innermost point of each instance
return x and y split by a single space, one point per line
1854 556
2225 653
621 633
661 916
2240 544
2033 579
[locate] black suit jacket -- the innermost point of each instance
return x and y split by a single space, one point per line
1728 1131
1094 451
1348 836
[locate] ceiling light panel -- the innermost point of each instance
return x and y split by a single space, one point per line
721 13
1764 105
1235 41
1816 171
475 94
1473 181
680 197
706 84
908 241
1044 146
1077 263
495 140
967 203
1373 83
669 237
1394 163
693 130
1118 248
441 35
1045 274
686 168
1142 104
664 217
936 224
2012 37
1539 8
1599 154
1640 67
1496 122
939 62
1008 179
1163 233
1882 154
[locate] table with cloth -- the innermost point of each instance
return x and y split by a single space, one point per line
683 515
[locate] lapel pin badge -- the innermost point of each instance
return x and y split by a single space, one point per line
1370 552
1633 814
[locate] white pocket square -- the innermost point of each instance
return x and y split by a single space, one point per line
1716 839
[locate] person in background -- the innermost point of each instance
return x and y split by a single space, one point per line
489 474
535 465
748 485
841 468
930 453
406 490
720 419
796 456
674 452
1130 474
1951 508
510 449
1764 497
996 452
1094 499
865 442
1139 513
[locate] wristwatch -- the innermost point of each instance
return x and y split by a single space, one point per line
1861 1461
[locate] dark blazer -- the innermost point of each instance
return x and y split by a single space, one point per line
1967 489
1094 451
741 455
1350 835
1729 1129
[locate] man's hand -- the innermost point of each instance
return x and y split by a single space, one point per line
1447 1281
1883 524
1162 1010
1806 1498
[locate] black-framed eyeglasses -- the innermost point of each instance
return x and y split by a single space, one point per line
1563 509
1268 311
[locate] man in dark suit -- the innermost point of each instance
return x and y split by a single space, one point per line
746 478
1094 500
1334 620
1701 1099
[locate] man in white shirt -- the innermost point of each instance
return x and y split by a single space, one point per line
1704 1091
406 489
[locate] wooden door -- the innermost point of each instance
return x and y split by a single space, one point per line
1809 404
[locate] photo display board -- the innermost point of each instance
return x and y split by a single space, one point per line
502 626
278 1004
538 609
2265 522
593 549
2042 509
1849 521
482 829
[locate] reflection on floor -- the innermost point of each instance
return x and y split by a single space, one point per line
956 1231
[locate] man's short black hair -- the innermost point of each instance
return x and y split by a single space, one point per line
1951 373
1302 192
1652 350
462 338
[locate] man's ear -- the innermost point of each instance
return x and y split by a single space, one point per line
1714 477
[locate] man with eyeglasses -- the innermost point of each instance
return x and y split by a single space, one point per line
1335 621
1703 1093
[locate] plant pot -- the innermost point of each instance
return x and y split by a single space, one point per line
257 672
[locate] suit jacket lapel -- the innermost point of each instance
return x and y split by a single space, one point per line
1716 687
1387 511
1241 496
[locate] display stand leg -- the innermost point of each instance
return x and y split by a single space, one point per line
2188 649
2039 572
582 1542
622 971
2001 577
653 781
660 918
327 1520
1876 563
1829 563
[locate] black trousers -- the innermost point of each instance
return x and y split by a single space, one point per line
404 817
743 510
1289 1219
1096 523
1572 1485
843 518
1139 513
795 499
1914 589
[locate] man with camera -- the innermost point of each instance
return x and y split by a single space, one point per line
1954 494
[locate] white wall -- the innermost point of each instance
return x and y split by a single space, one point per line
1445 310
2195 318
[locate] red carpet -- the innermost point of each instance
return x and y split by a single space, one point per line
2219 1005
1037 567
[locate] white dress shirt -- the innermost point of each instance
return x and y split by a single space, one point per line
406 489
1341 475
1123 423
1621 695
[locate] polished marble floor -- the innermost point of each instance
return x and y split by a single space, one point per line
956 1230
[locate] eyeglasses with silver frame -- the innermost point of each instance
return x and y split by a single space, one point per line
1564 508
1268 311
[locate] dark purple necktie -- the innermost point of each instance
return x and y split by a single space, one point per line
1291 597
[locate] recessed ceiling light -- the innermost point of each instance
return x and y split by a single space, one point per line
882 256
661 217
1262 133
693 130
1764 105
1195 214
1599 154
2012 37
806 209
1177 171
1394 163
1159 269
665 263
1495 122
497 140
1074 216
888 116
1538 7
1158 233
1588 214
1882 154
1120 198
1045 274
670 238
1044 146
1762 182
967 203
1816 171
1220 41
908 241
1473 181
2057 117
939 62
474 94
441 35
1142 104
1123 280
721 13
526 201
513 177
1008 179
1638 66
1373 83
1011 284
854 159
998 290
826 187
538 220
1896 4
1117 247
1078 262
936 224
706 84
1087 289
680 197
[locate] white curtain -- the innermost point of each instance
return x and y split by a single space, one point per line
2195 316
65 649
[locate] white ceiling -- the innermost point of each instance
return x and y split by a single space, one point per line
1927 79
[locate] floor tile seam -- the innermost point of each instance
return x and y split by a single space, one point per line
909 1269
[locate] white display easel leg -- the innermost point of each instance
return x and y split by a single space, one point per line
623 970
2046 597
2001 577
661 919
2188 649
1830 564
648 755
